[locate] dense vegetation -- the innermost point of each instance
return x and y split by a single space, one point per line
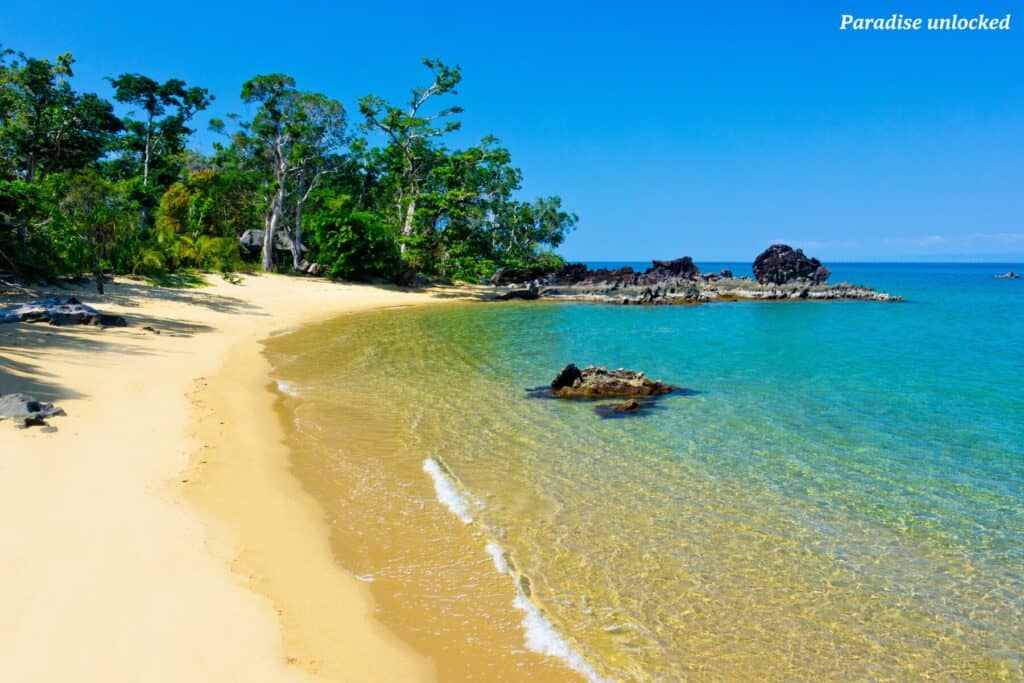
84 190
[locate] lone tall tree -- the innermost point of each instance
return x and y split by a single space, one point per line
295 132
168 133
409 131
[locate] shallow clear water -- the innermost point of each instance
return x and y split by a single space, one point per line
841 497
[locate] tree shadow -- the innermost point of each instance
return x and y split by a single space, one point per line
132 295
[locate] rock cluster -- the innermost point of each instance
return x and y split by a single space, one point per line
599 382
782 272
781 263
580 275
27 412
58 311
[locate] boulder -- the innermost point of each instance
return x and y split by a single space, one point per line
25 411
530 293
780 264
57 311
599 382
630 406
678 268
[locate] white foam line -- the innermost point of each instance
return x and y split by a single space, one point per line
447 493
541 635
287 388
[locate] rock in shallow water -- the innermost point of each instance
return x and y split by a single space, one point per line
781 263
599 382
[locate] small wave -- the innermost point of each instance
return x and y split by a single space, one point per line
287 388
541 636
447 492
366 578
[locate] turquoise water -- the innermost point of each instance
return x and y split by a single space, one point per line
841 496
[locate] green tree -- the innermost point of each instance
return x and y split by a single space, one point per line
46 127
158 138
294 133
96 209
410 131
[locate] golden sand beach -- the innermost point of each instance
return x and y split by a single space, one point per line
158 534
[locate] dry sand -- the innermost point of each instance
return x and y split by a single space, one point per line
158 535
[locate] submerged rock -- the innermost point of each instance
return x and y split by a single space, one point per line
25 411
599 382
626 409
780 264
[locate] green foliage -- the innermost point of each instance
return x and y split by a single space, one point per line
155 144
353 244
82 190
45 127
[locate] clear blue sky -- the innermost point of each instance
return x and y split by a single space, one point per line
671 128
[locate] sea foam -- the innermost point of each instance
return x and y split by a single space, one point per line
447 492
287 388
541 635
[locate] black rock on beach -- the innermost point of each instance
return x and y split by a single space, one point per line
58 311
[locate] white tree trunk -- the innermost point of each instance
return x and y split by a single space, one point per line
145 159
268 234
296 244
407 227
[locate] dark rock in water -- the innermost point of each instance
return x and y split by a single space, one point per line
572 272
629 408
1008 275
567 377
592 382
26 411
660 272
680 267
780 263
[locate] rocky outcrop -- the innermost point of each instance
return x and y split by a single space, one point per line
58 311
660 272
783 273
1008 275
780 264
599 382
529 293
25 411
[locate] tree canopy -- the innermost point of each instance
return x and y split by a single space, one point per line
91 186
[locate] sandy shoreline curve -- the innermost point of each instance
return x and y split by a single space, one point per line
158 535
